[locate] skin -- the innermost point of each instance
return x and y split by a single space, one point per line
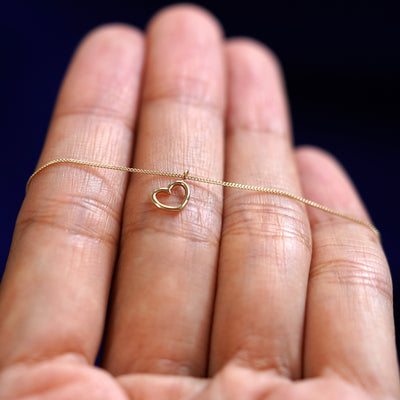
240 295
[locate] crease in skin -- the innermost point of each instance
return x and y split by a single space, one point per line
94 115
196 226
193 151
199 97
188 236
64 376
272 221
87 211
100 137
354 264
345 272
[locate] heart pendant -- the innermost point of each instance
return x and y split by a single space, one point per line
168 190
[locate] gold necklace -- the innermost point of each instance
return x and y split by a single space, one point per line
186 177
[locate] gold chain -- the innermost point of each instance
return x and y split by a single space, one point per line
186 176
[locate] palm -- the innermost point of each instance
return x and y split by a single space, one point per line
241 295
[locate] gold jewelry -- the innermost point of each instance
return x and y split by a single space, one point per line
185 176
168 190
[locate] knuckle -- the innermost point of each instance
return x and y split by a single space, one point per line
94 216
98 117
237 382
199 224
281 220
187 90
247 354
172 365
196 234
364 269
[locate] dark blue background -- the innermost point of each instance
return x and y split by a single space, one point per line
341 61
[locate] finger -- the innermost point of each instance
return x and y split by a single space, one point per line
349 329
163 387
164 288
329 388
54 294
265 248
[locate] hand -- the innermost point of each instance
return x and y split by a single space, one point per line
241 295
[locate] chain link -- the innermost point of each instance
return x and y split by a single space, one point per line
186 176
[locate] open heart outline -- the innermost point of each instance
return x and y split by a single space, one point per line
168 190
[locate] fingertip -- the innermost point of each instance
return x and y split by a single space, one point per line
186 14
308 155
118 32
324 180
108 61
317 163
257 98
253 48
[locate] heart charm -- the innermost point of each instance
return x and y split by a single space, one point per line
168 190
